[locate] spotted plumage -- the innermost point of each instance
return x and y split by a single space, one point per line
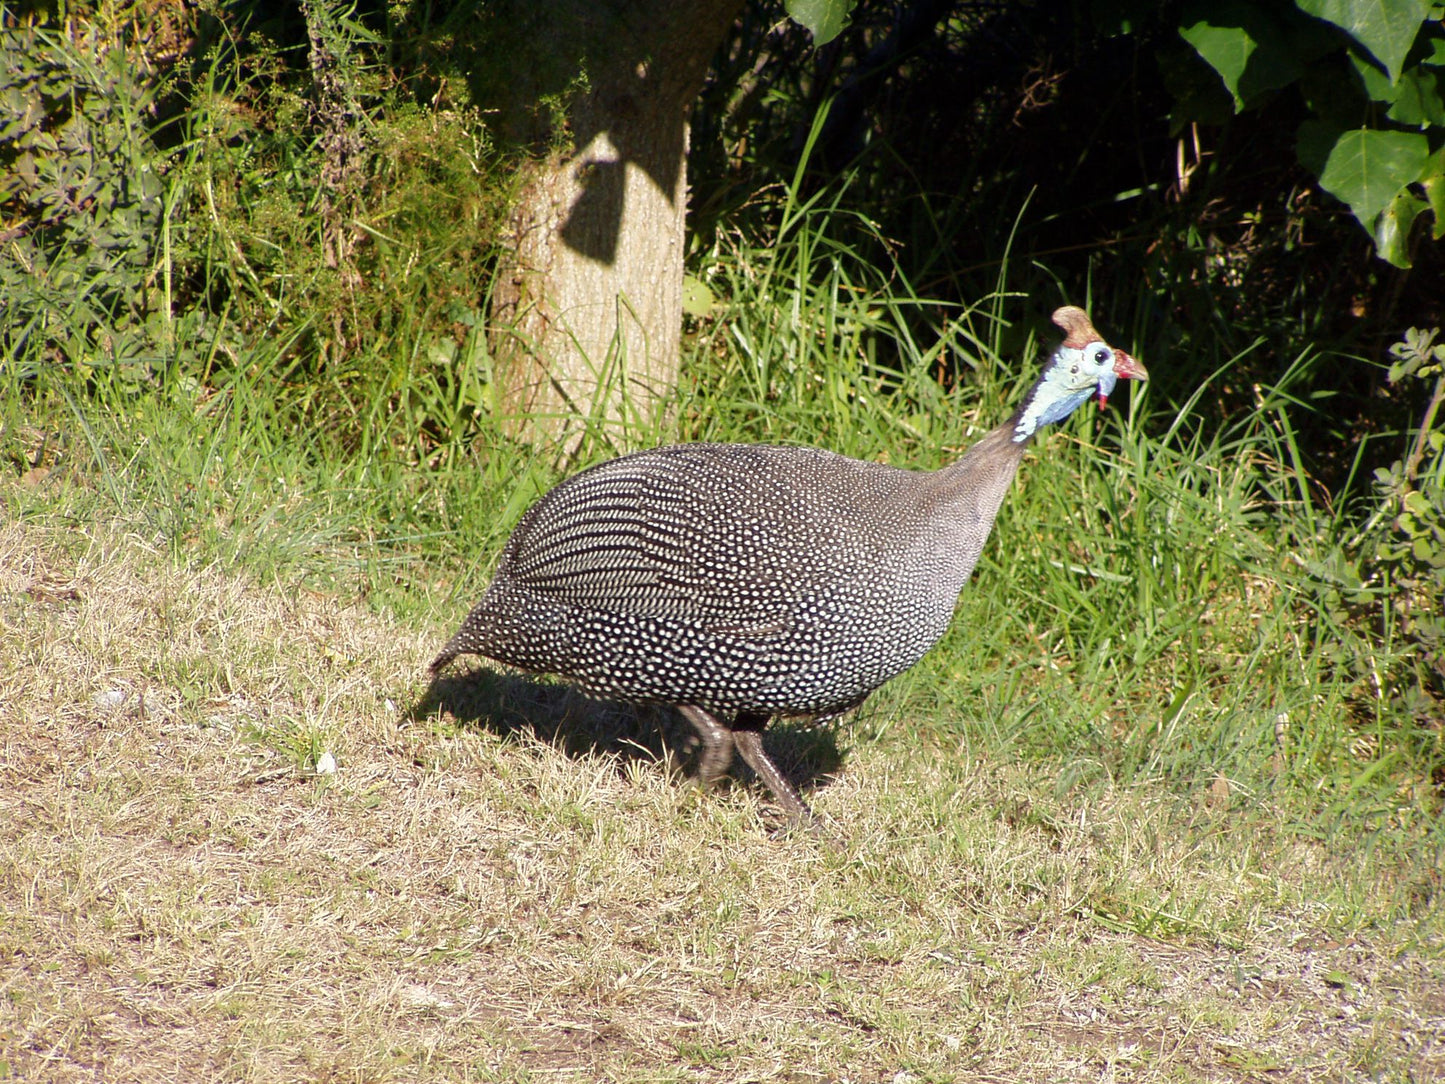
741 581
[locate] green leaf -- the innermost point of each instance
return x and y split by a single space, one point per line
1364 167
1418 504
1387 28
1415 350
1227 50
1421 98
697 299
1246 47
1433 180
824 19
1392 231
1199 93
1417 98
1377 84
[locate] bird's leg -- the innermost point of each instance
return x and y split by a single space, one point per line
717 744
748 737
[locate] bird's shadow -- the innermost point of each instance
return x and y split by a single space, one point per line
511 704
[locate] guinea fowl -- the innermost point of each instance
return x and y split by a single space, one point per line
737 582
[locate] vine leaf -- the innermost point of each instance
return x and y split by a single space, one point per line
1387 28
1433 181
1392 230
1364 167
1246 47
824 19
1370 170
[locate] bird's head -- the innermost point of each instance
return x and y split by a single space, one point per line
1081 366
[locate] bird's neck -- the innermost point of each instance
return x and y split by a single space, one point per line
979 479
975 484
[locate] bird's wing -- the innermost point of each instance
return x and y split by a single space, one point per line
640 535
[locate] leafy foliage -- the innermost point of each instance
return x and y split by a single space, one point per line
1373 75
83 192
170 222
1409 551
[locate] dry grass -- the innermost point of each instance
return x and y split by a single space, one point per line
183 897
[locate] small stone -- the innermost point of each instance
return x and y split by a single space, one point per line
109 700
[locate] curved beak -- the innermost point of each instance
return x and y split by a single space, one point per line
1125 368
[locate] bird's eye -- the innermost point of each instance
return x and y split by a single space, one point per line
1101 356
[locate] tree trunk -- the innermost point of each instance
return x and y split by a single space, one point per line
587 310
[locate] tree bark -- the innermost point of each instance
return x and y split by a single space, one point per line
587 310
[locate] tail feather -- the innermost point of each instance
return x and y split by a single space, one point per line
463 641
516 632
477 636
